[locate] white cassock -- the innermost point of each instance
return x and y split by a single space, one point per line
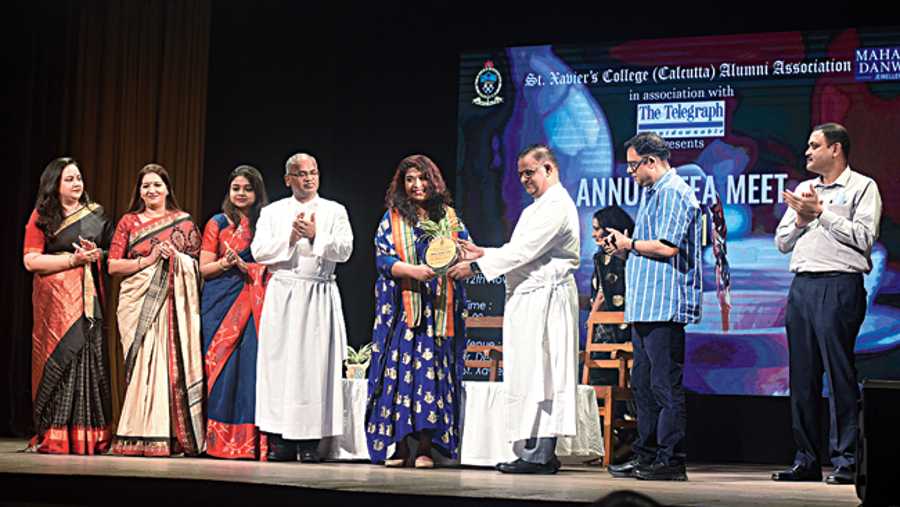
540 322
302 337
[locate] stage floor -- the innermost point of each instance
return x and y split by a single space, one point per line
47 477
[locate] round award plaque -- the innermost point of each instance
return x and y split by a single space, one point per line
440 253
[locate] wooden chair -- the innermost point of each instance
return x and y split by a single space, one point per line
494 353
621 360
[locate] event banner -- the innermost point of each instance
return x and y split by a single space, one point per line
737 112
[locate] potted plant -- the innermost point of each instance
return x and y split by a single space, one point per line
358 361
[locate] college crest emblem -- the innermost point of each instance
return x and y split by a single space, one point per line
487 86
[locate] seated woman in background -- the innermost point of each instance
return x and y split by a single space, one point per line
64 243
608 280
229 316
608 295
415 382
155 248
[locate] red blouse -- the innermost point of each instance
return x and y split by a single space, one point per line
34 236
134 238
215 238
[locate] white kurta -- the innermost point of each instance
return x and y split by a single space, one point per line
540 322
302 337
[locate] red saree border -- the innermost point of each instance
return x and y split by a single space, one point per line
138 446
235 441
72 440
228 335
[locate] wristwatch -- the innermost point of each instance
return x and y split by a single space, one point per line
475 268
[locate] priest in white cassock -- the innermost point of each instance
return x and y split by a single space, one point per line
302 337
540 322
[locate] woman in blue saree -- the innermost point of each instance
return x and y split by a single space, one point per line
230 306
415 383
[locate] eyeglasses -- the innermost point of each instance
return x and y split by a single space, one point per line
303 174
632 166
528 173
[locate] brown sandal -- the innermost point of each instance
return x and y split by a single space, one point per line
395 462
424 461
401 456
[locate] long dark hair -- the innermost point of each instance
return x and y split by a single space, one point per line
437 198
614 217
259 188
48 206
137 204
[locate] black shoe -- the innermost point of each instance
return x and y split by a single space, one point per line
842 475
281 449
281 454
660 471
556 463
520 466
624 470
309 456
799 473
518 461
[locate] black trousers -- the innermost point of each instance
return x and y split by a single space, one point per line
657 383
823 317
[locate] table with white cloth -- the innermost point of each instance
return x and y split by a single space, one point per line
484 441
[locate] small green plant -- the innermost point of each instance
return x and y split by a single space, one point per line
360 356
441 229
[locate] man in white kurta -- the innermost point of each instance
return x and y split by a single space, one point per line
540 322
302 337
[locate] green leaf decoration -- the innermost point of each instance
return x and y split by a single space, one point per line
441 229
359 356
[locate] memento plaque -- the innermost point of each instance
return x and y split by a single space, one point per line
441 253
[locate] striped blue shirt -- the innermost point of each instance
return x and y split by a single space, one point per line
666 290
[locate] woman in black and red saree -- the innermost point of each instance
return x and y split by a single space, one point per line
64 243
155 249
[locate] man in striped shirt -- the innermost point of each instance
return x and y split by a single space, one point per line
664 283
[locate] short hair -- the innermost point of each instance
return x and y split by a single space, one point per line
835 133
541 153
649 143
296 159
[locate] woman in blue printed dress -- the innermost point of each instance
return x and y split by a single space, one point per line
415 381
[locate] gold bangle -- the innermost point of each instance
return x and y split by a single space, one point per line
71 260
139 262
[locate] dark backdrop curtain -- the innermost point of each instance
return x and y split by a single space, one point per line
114 84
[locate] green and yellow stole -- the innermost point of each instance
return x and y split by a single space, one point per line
411 290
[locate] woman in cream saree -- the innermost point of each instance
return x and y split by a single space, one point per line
156 246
